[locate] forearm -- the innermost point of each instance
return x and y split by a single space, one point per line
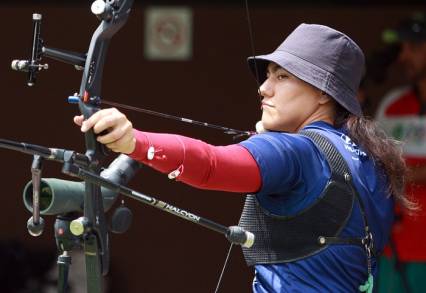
227 168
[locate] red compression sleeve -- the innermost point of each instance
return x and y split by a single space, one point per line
226 168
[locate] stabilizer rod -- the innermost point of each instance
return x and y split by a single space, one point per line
234 234
65 56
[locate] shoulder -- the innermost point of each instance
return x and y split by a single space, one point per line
298 144
280 146
280 140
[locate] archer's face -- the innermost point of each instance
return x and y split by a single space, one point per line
288 103
413 58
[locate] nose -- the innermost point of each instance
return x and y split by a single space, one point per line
265 90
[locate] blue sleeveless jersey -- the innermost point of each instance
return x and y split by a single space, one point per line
294 173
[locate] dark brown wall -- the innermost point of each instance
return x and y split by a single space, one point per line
160 253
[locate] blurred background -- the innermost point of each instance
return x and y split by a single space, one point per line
186 58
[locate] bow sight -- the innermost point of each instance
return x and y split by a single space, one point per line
65 198
33 66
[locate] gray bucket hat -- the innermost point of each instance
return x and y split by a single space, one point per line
323 57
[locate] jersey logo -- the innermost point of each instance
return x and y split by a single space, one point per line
353 148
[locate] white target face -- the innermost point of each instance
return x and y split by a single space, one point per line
168 33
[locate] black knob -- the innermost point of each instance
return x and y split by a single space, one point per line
121 220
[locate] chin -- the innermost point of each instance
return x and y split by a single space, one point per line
272 127
277 123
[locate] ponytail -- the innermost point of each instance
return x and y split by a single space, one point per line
386 152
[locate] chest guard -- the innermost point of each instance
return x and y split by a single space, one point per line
281 239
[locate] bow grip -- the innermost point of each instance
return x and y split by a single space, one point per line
95 150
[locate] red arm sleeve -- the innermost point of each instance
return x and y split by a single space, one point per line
226 168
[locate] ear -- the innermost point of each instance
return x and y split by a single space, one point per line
324 98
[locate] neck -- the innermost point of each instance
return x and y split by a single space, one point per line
324 113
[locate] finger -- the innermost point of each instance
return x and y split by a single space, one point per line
113 148
110 122
116 133
126 144
78 120
95 118
112 136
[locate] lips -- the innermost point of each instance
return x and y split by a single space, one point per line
264 104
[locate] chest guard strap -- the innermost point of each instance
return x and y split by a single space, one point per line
288 238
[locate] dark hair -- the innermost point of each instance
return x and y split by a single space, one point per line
386 152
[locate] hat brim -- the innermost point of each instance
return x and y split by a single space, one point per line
310 73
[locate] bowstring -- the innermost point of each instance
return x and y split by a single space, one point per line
253 49
251 38
223 268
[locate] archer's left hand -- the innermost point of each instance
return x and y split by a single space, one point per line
119 136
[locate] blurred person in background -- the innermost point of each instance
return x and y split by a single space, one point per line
402 115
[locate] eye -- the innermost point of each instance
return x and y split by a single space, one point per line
281 76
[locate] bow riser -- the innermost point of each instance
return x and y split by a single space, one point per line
96 243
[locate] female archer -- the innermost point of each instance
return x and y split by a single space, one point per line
321 178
